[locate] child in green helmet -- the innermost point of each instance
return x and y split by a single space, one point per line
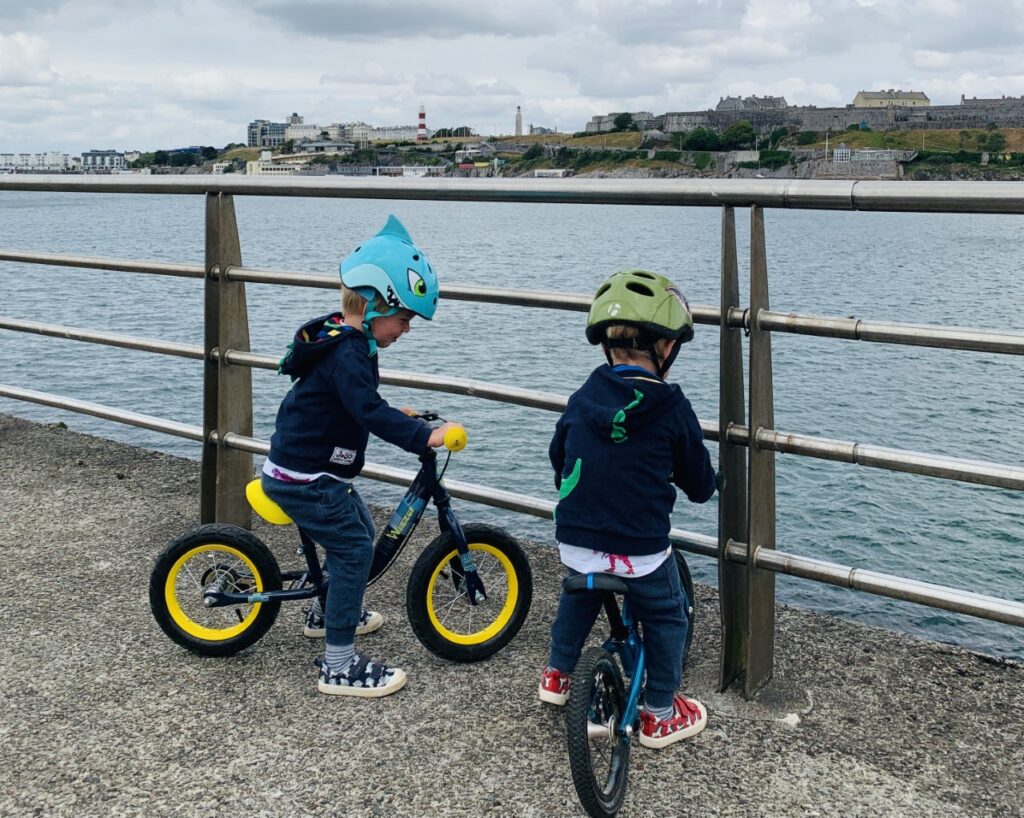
320 437
625 438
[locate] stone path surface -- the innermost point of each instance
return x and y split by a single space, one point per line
103 716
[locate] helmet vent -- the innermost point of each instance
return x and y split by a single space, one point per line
642 274
641 289
602 290
416 258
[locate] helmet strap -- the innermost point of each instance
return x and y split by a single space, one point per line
666 364
368 316
640 344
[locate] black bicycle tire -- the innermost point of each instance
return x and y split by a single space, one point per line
215 534
687 582
581 692
418 591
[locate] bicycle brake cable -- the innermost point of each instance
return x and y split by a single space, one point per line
444 468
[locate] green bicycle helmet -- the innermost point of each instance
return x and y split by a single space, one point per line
647 301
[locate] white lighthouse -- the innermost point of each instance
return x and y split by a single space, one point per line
519 121
421 127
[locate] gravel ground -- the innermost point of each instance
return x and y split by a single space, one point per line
104 716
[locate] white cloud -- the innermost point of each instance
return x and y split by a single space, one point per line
24 60
151 74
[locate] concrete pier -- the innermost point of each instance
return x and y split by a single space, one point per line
102 715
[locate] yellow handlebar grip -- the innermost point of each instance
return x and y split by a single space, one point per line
455 439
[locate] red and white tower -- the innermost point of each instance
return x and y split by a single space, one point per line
421 127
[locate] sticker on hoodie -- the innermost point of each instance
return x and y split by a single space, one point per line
343 457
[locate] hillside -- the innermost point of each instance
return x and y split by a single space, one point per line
950 141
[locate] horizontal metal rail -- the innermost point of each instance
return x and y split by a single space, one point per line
886 332
932 197
434 383
575 302
936 596
100 337
887 585
881 457
960 338
844 451
117 264
98 410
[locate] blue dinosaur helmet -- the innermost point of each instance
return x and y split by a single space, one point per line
391 266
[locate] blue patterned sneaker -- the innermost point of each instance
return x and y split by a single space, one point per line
369 621
364 677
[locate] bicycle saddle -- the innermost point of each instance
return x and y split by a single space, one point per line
595 582
263 505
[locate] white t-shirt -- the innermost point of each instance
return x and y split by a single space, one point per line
589 561
289 476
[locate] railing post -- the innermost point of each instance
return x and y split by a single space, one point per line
760 612
227 390
732 464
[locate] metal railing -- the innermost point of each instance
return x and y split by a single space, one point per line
746 458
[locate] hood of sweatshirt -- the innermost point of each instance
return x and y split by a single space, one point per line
617 402
312 341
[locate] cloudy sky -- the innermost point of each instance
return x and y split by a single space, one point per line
80 74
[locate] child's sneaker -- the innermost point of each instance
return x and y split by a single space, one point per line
554 686
689 717
369 621
363 677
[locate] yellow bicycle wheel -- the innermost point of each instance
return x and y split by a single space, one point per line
442 615
207 559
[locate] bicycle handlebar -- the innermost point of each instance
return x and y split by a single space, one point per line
455 439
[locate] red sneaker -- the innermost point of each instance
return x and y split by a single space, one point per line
689 717
554 686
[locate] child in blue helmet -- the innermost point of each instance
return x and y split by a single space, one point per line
319 442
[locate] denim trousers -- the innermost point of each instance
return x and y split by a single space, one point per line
335 516
658 602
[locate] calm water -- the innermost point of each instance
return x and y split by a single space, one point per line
964 270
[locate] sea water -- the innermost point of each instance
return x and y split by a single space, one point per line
963 270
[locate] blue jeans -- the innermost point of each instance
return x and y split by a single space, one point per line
658 602
335 516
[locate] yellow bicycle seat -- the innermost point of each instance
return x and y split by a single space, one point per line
263 505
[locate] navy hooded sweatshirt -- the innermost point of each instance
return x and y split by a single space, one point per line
626 436
326 418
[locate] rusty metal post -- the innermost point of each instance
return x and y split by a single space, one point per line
227 390
760 626
732 465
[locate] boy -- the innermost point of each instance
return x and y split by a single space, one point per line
625 437
320 440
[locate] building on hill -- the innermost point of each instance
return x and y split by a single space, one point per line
301 132
996 102
394 133
602 124
51 162
891 98
265 134
266 166
752 104
341 147
95 161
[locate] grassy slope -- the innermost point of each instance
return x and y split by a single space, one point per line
933 140
245 154
630 139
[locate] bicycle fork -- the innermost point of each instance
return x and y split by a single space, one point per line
464 573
